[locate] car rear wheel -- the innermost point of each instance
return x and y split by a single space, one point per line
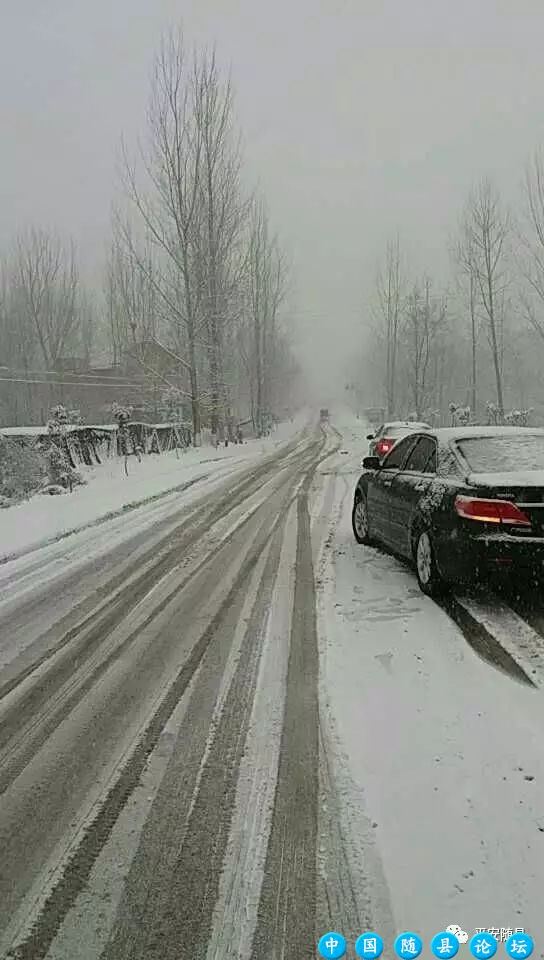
359 521
428 575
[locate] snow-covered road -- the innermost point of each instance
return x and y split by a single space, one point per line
226 728
143 703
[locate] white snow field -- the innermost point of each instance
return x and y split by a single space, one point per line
438 755
44 519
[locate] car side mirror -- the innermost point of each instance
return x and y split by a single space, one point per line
371 463
370 436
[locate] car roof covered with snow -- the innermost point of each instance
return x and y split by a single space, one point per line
449 434
405 424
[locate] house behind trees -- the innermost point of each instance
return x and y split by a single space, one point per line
139 380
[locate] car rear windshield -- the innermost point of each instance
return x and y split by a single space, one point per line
503 454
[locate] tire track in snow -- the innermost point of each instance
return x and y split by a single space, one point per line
180 645
84 589
31 579
71 877
168 905
496 632
287 908
107 607
106 518
50 699
235 914
352 889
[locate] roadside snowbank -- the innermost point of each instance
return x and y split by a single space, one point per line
44 519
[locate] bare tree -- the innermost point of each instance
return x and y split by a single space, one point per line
18 343
222 213
134 283
244 349
425 322
47 277
88 328
8 339
259 266
531 263
487 228
276 335
389 289
114 309
267 286
465 257
170 209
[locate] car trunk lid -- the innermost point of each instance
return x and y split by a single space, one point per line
524 488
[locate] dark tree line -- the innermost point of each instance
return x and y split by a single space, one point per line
476 343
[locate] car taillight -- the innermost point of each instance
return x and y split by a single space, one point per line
384 446
491 511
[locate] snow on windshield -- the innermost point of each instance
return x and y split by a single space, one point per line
503 454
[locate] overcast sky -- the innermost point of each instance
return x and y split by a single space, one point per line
360 117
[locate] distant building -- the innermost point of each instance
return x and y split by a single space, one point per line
149 356
141 380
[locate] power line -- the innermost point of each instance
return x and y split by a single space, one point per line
118 378
71 383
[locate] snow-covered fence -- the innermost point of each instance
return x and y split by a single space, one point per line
94 443
160 437
84 442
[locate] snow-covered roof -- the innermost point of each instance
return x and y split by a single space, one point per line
43 431
160 426
23 431
74 427
97 426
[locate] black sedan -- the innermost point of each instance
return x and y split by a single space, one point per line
459 503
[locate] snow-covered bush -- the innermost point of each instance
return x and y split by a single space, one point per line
518 418
58 418
60 467
432 417
514 418
121 412
460 416
22 471
53 490
60 472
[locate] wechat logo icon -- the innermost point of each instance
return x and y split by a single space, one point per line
457 932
